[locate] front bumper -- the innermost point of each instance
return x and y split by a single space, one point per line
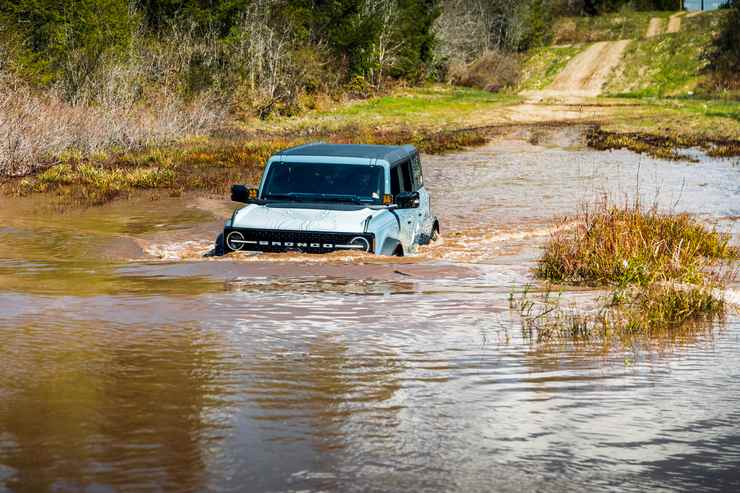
278 240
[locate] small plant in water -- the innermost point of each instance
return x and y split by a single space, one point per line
661 269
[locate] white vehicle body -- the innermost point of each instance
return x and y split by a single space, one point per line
392 221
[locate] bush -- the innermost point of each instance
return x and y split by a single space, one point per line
628 245
492 71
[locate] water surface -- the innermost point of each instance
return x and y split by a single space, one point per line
129 362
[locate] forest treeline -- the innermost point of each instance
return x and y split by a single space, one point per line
93 75
262 56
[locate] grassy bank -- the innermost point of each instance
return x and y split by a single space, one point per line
669 64
432 119
429 109
680 119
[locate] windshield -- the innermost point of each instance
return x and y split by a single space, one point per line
324 183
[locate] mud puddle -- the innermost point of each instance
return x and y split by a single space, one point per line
129 361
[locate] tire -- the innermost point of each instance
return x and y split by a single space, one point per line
435 232
220 249
398 252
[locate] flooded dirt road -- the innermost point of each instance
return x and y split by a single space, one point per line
128 362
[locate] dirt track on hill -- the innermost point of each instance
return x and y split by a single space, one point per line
655 27
586 73
674 23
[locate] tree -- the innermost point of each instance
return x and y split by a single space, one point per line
67 39
726 52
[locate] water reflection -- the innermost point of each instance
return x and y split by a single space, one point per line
85 405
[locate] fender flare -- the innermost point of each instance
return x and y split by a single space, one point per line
389 246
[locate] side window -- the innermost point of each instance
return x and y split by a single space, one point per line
408 181
395 182
416 166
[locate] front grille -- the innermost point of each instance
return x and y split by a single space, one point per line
276 240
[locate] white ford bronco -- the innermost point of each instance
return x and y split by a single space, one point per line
319 198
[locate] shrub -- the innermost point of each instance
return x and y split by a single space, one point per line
492 71
623 245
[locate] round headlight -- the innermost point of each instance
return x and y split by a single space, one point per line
361 243
235 240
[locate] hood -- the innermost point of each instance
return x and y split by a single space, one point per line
302 219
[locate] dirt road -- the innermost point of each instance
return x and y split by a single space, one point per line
655 27
586 74
674 23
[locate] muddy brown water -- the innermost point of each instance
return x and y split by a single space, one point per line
130 363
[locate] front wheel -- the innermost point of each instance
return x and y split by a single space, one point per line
435 232
426 239
220 249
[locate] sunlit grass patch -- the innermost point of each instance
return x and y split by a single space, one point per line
427 109
408 104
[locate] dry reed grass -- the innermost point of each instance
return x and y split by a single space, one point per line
632 245
37 130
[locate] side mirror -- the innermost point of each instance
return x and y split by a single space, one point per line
408 200
240 193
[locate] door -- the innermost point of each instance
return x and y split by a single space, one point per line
424 212
402 180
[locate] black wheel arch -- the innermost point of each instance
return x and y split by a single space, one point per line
391 246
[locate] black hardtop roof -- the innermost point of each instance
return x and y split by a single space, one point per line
366 151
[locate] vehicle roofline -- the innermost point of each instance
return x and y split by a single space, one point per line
352 161
398 153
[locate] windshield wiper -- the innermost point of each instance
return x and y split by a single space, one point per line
341 198
295 197
326 197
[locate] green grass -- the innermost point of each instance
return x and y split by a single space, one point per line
542 65
686 118
716 108
431 108
422 102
